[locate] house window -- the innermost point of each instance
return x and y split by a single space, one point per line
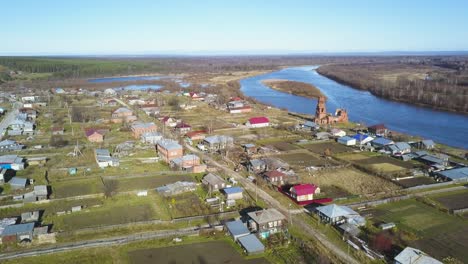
270 224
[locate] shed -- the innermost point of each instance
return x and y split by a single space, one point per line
233 193
348 141
18 233
28 217
17 183
251 244
237 229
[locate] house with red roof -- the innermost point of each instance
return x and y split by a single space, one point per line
94 135
274 177
196 135
169 121
379 130
182 128
304 192
259 121
196 96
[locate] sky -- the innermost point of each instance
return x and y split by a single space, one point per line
115 27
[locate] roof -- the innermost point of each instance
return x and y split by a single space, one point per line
18 229
402 145
91 131
382 141
378 126
189 157
122 110
169 144
18 181
152 134
7 142
40 189
310 124
251 243
334 210
304 189
266 215
9 159
249 145
140 125
55 129
237 228
195 133
259 120
428 142
232 190
102 152
219 139
411 255
213 179
455 174
183 125
346 138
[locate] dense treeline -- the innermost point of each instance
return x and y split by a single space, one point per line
437 88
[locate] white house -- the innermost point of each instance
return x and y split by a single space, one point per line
256 122
348 141
338 132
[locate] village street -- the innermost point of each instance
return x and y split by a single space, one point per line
9 117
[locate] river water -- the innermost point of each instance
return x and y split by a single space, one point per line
442 127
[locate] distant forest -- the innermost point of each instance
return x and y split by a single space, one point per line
433 83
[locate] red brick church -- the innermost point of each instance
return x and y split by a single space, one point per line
324 118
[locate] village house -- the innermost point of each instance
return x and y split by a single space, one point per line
411 255
94 135
362 139
138 128
381 142
30 217
338 132
256 165
10 145
213 182
338 214
347 141
151 137
196 135
182 128
217 142
323 135
399 148
304 192
196 96
439 161
104 158
18 183
150 109
240 110
18 233
190 163
169 150
122 114
275 177
57 131
233 193
249 148
378 130
169 121
457 175
266 222
256 122
12 162
310 126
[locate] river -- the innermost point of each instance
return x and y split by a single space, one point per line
442 127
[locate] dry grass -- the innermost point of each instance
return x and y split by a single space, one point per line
352 181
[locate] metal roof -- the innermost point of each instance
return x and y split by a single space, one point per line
265 216
455 174
333 210
233 190
18 229
219 139
411 255
251 244
18 181
237 228
169 144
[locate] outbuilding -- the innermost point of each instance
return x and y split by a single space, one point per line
347 141
233 193
18 233
256 122
237 229
251 244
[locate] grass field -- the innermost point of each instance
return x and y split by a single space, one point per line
284 146
73 187
437 233
452 200
149 182
350 180
187 204
386 167
305 160
319 148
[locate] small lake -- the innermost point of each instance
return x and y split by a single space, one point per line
443 127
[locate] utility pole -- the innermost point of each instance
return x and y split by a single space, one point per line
290 218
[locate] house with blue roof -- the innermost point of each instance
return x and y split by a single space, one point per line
456 175
347 141
251 244
233 193
381 142
237 229
18 233
362 139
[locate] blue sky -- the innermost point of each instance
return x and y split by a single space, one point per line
254 26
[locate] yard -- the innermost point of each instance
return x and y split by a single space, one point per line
319 148
436 232
423 180
149 182
187 204
305 159
72 187
452 200
349 180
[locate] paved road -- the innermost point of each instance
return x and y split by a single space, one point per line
9 117
346 258
101 242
